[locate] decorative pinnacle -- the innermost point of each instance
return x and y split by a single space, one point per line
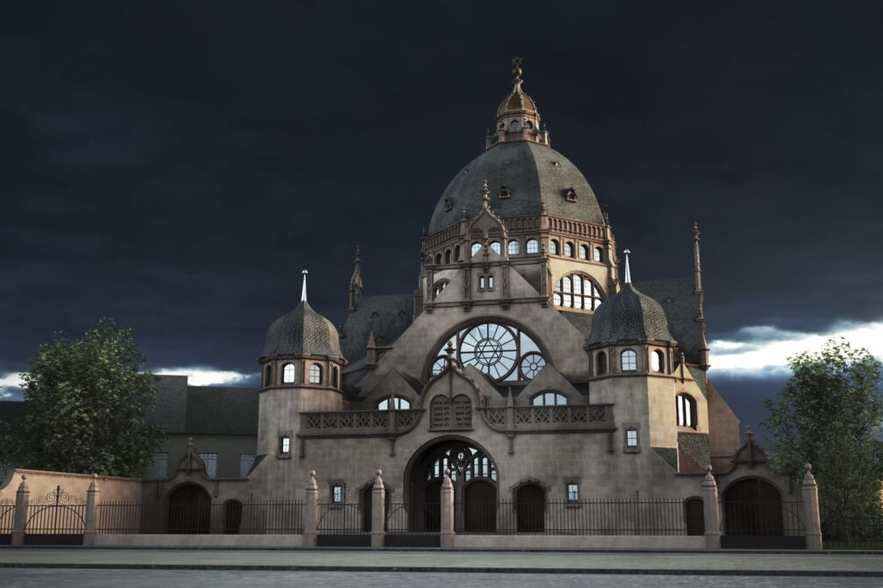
628 271
485 192
358 254
303 292
516 70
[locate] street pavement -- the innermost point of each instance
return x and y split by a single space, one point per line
322 560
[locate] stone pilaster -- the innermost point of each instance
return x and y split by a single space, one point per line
711 507
93 500
378 512
447 512
22 499
311 514
812 520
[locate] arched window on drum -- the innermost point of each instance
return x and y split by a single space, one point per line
577 291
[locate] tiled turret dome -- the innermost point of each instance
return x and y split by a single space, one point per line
629 315
303 331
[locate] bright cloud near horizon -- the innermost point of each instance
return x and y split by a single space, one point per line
762 351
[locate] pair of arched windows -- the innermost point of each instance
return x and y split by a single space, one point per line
394 403
685 406
628 362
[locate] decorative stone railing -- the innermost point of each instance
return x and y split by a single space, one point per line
575 417
578 228
358 422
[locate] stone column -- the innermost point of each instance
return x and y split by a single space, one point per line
447 512
378 512
311 515
812 520
711 511
93 499
22 499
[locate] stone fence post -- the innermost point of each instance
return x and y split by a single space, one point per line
378 512
812 519
447 512
311 516
711 511
92 502
22 499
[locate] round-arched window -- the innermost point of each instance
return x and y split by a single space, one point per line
548 398
497 247
476 247
532 246
513 248
554 248
629 361
568 249
503 352
315 374
577 291
288 372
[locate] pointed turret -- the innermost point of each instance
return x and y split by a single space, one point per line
704 353
517 115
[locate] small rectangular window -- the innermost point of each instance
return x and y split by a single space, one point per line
490 282
337 493
481 283
285 444
572 492
631 438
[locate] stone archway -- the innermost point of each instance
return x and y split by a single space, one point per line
190 510
473 475
753 507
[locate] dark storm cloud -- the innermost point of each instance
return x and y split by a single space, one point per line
175 165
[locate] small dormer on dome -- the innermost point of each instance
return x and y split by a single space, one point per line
517 116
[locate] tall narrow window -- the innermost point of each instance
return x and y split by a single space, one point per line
285 444
583 252
657 361
568 249
532 246
315 374
686 408
572 492
338 493
599 254
268 376
629 361
601 364
288 373
554 248
490 282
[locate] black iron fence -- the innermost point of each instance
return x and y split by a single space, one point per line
343 518
852 532
406 519
232 517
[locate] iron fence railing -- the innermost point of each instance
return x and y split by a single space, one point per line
343 518
231 517
852 532
407 519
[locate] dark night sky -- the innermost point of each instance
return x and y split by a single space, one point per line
174 165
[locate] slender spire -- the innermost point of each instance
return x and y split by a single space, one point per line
628 272
697 265
357 288
303 292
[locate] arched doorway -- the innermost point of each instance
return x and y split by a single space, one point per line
190 510
753 507
530 508
232 517
474 477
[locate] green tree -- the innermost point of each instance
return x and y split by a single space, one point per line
87 398
829 414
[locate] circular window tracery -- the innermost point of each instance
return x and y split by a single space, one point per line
503 352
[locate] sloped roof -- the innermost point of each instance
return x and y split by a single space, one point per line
681 306
628 315
303 331
386 316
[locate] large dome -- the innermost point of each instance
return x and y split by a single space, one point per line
303 331
535 177
627 316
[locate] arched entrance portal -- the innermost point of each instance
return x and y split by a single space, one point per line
190 510
474 476
753 507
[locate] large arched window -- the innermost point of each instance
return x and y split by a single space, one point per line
686 408
288 373
577 291
548 398
503 352
629 361
315 374
532 246
513 248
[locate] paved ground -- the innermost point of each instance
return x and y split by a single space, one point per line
721 563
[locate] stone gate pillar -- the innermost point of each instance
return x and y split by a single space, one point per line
20 521
812 520
311 516
447 512
711 511
378 512
92 503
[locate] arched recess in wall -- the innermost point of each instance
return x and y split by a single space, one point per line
190 510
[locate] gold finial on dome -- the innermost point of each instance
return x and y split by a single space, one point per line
516 70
